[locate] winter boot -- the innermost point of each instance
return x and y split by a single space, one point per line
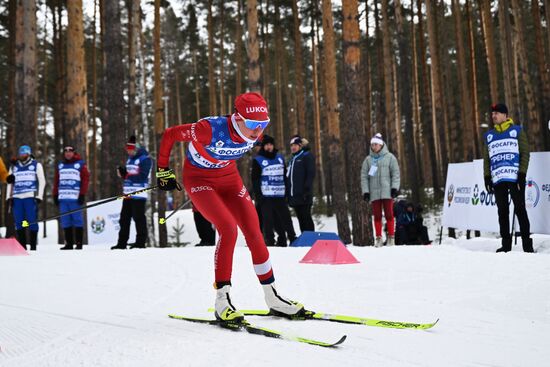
527 245
137 245
69 239
118 247
224 309
21 235
506 245
281 306
378 242
390 241
33 240
78 237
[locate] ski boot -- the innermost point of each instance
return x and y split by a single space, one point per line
390 241
378 242
224 309
281 306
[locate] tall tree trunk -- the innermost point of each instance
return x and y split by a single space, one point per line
405 96
238 51
438 115
488 39
114 124
12 126
543 68
336 155
510 96
148 138
301 129
463 81
533 123
211 80
254 83
93 146
278 78
390 112
223 111
25 74
159 117
416 113
133 35
353 119
473 85
379 124
197 90
77 95
266 69
430 132
317 110
367 77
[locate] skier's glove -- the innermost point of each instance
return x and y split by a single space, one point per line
394 193
489 185
56 200
10 179
366 197
166 179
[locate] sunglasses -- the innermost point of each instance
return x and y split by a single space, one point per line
254 124
68 150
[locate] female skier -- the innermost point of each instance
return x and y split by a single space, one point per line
216 189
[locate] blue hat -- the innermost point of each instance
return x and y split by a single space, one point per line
24 149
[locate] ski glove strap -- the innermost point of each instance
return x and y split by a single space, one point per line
166 180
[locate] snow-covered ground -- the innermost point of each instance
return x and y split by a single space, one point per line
99 307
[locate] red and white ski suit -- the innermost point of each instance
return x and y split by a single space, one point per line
217 191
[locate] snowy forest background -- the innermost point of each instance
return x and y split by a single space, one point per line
423 73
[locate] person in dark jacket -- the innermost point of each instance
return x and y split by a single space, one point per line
136 177
300 175
505 163
268 180
69 193
410 227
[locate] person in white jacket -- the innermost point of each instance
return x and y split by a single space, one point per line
25 193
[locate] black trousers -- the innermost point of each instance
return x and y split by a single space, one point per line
204 229
303 212
276 215
502 190
132 209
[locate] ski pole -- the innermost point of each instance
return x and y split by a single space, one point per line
113 198
163 220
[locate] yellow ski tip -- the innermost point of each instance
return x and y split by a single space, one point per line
25 224
162 220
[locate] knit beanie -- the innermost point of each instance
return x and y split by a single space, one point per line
377 139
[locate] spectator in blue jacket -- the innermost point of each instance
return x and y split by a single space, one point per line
136 174
300 176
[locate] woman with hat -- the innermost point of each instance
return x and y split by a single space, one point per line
380 182
216 189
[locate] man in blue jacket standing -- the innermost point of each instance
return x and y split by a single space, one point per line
136 177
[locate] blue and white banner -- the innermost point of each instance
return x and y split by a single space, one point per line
468 206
